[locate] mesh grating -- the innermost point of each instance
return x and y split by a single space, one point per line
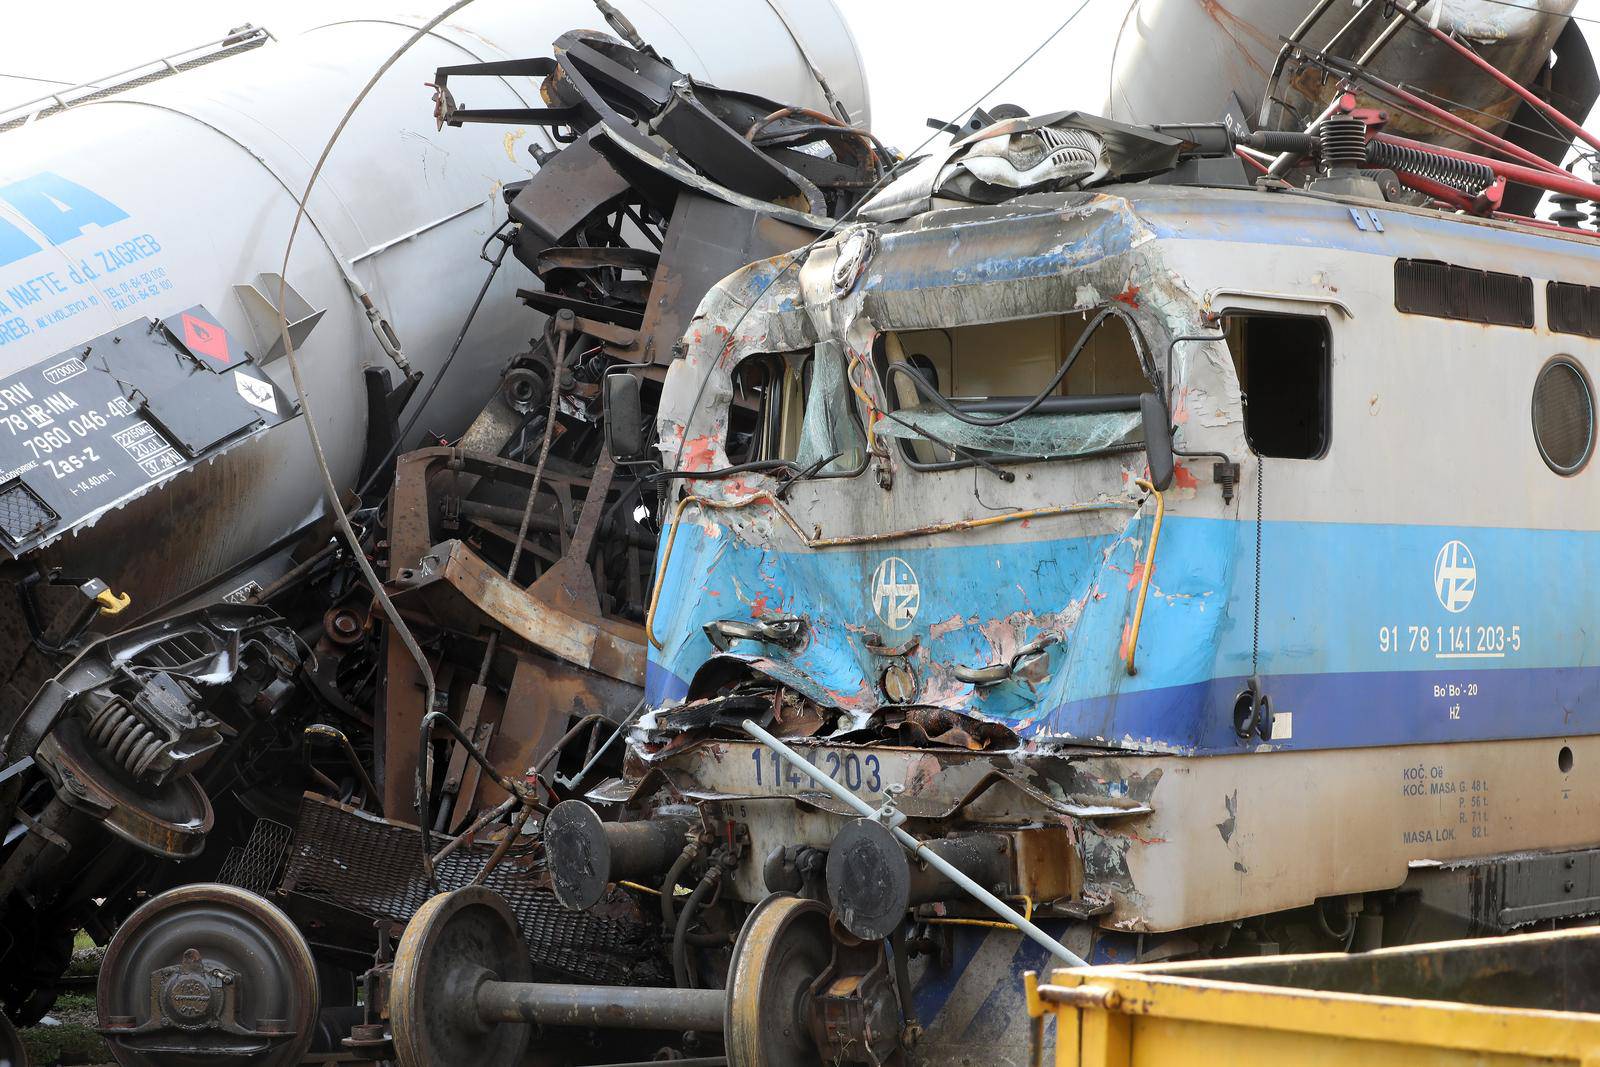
22 513
1573 308
257 865
1563 417
374 867
1446 291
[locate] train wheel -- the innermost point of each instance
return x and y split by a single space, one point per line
209 972
170 820
782 948
453 942
12 1051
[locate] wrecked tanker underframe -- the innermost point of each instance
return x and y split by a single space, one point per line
520 555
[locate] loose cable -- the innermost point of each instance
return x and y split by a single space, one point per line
794 258
398 624
444 368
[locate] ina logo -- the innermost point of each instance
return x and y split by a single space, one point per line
895 593
1455 576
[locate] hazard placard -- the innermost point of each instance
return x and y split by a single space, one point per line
201 334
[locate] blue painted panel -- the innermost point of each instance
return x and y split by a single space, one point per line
1358 642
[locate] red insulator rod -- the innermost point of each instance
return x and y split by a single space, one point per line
1544 107
1557 181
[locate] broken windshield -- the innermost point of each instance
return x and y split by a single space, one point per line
1045 388
796 408
1030 437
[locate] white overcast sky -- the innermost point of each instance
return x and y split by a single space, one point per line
924 57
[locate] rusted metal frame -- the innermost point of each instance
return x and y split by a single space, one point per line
596 647
526 794
1149 566
410 538
469 725
570 584
595 644
402 691
472 774
412 493
509 536
539 705
816 541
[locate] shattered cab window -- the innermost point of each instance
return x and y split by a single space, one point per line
1007 390
795 408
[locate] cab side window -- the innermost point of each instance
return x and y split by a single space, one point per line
1284 364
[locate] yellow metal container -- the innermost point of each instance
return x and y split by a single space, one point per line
1533 998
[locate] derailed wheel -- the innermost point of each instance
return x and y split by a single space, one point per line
210 974
170 820
12 1051
452 944
782 948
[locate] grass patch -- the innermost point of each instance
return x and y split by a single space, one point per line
74 1041
67 1043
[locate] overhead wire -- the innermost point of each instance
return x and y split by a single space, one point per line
331 491
795 258
1542 11
444 368
1551 134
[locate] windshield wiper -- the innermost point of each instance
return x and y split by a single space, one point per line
965 453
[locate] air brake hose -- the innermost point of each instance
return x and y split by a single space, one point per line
669 885
682 973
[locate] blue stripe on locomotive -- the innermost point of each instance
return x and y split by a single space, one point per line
1356 640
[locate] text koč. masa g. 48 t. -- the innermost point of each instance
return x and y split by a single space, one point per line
1318 679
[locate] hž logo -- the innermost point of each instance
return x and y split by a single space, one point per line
895 593
1455 576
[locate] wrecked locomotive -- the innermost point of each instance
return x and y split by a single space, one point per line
1197 564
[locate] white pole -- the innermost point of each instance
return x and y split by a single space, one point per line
939 863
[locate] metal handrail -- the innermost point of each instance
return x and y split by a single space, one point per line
242 39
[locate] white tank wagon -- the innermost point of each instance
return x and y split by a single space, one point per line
1176 60
179 195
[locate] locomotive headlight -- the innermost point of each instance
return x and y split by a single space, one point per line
1025 150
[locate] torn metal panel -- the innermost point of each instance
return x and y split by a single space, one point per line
588 644
1065 150
823 554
